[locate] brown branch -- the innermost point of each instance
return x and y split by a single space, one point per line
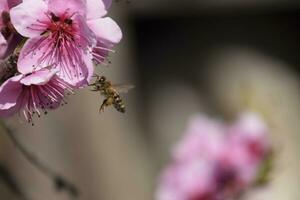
10 181
8 67
60 183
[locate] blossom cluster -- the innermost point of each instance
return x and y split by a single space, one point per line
216 161
60 42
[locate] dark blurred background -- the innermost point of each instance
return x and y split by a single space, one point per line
218 57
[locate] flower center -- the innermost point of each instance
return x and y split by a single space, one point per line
60 45
62 24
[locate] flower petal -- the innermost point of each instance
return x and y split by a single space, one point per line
88 37
40 77
10 90
97 8
26 15
87 71
90 68
107 3
106 30
60 7
31 55
9 112
3 5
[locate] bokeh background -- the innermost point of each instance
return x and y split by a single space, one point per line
218 57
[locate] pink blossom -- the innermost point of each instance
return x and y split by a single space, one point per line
106 30
250 132
247 146
216 161
33 93
64 35
203 138
191 180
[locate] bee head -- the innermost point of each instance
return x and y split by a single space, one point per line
122 109
102 79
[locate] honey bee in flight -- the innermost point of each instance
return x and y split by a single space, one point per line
111 93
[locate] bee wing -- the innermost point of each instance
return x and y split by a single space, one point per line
123 88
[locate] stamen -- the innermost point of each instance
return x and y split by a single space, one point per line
36 97
103 48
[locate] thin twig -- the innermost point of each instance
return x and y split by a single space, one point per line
10 181
8 67
61 184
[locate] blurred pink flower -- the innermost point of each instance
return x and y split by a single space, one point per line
28 94
63 35
215 161
192 180
250 132
203 138
247 147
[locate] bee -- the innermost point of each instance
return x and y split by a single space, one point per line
111 93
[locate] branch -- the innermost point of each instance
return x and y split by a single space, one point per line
61 184
7 177
8 67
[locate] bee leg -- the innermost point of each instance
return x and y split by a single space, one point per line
95 88
95 76
101 109
104 104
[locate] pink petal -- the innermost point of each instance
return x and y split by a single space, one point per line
196 177
9 92
3 46
3 5
84 30
97 8
187 180
106 29
30 56
87 71
60 7
25 17
90 68
9 112
107 3
204 138
39 77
